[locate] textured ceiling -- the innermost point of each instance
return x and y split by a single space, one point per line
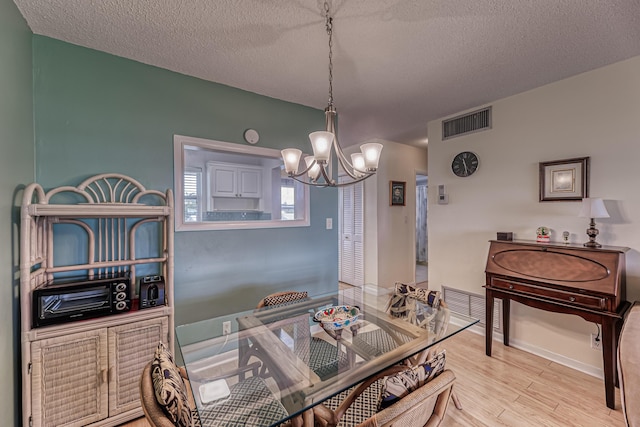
397 63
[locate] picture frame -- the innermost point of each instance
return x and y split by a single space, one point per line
397 193
564 180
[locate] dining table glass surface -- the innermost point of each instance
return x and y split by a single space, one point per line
292 357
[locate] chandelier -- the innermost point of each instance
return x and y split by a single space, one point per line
362 165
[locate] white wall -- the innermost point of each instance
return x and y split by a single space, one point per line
390 230
595 114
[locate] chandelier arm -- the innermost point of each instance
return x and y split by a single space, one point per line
355 181
311 183
293 175
344 162
330 182
330 116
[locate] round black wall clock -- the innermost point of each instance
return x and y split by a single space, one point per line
465 164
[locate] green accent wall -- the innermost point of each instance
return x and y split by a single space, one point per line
96 113
16 169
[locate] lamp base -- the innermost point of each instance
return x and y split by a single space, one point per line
592 245
592 232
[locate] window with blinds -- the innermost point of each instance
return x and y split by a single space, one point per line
192 186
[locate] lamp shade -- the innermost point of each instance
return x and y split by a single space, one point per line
357 160
291 158
321 142
593 208
371 153
314 171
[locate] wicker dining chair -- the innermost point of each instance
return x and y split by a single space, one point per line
250 402
379 341
358 407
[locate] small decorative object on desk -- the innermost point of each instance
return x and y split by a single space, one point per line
504 235
543 234
337 317
565 237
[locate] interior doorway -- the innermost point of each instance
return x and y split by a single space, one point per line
422 238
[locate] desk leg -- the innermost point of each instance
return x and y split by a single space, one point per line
506 315
488 329
609 359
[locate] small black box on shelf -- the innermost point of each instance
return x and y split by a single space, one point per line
505 235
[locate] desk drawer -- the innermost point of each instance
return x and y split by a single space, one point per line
573 298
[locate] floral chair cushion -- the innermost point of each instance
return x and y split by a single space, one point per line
170 390
395 387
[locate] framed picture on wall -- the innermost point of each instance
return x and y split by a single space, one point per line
564 180
397 193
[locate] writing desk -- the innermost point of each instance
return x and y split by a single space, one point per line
275 336
572 279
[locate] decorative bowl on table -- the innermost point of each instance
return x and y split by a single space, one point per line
337 316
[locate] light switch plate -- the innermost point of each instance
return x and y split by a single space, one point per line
329 223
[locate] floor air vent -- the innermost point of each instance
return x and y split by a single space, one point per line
472 305
467 123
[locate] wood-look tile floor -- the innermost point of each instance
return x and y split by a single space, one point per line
516 388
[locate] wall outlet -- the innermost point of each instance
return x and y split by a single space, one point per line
596 342
226 327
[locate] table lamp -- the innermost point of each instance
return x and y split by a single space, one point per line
593 208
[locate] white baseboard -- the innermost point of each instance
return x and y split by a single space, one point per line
538 351
558 358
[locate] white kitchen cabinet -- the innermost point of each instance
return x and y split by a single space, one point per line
86 373
234 180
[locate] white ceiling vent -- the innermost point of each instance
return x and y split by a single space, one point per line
467 123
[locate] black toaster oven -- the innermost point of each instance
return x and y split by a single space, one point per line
73 299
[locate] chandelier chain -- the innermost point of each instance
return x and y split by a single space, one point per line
329 26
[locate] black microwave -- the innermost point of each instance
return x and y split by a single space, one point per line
76 299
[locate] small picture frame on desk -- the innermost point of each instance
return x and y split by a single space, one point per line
564 180
397 193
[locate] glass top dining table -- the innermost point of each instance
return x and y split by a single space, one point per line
278 362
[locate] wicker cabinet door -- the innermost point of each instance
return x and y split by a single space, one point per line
69 380
131 347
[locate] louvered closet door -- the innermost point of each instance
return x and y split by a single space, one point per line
131 347
352 234
69 380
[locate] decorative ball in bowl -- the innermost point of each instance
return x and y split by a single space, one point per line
337 316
